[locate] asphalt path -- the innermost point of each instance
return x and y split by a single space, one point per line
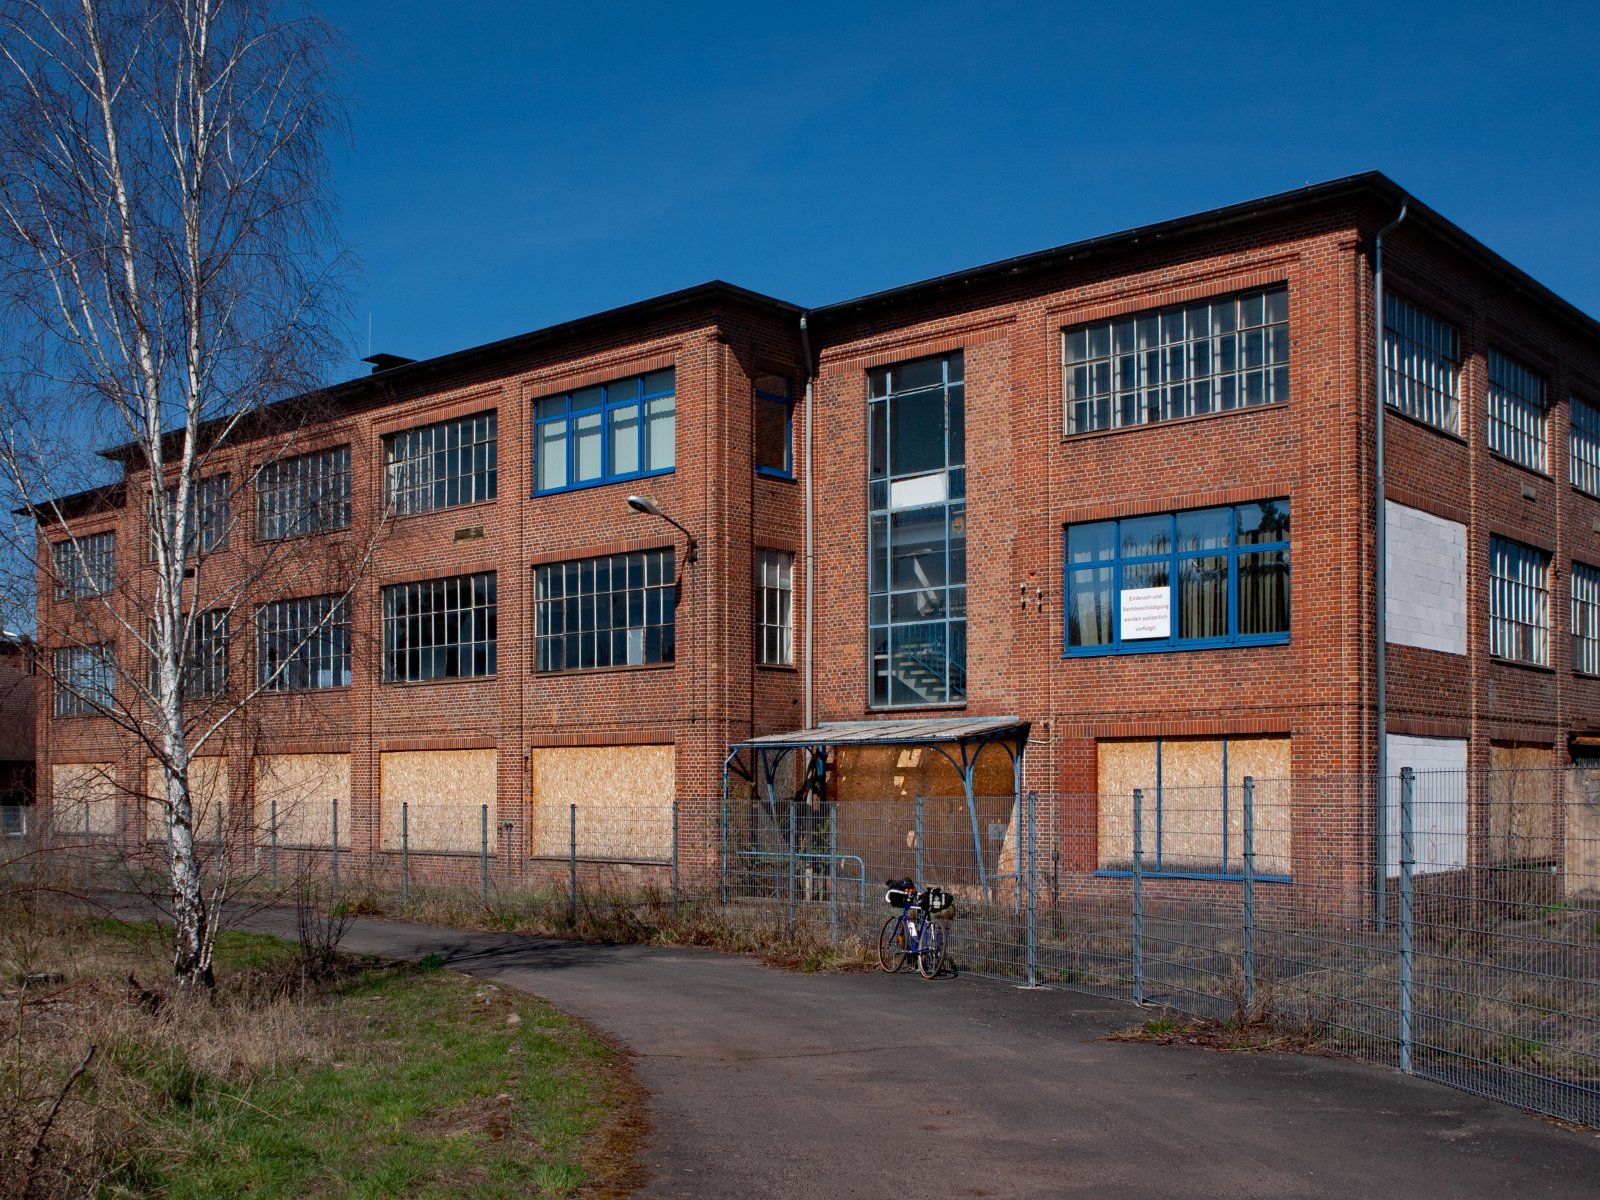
770 1083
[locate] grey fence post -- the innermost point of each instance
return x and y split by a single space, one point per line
335 819
1249 889
1033 939
572 863
674 855
405 855
483 852
1138 895
272 841
725 824
87 872
1407 867
833 869
917 838
1016 823
792 849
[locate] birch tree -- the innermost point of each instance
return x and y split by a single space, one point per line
169 272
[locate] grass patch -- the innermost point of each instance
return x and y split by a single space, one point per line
382 1080
1259 1031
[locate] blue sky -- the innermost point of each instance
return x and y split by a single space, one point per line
512 165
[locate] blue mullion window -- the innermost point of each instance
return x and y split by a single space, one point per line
774 425
1197 557
606 433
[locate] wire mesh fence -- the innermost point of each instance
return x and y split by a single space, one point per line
1445 923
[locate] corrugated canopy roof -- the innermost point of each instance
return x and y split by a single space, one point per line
926 731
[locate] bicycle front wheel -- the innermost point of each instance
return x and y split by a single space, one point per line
893 945
931 954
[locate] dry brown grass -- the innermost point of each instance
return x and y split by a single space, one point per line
635 917
78 991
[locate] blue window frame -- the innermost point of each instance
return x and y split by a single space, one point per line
917 532
774 421
1179 581
626 429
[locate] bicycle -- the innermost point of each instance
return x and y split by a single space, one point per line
914 934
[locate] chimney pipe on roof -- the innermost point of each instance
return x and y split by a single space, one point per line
386 362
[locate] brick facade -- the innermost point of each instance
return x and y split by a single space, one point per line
1027 480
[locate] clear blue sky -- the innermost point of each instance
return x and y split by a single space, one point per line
513 164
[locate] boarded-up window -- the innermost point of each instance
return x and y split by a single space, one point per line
444 793
300 792
83 797
889 795
623 796
208 792
1582 840
1192 814
1438 804
1522 794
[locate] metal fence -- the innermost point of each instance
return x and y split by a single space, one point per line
1447 924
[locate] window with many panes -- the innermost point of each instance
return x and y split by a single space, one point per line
441 465
303 644
1422 364
1518 423
205 656
1181 361
85 566
1585 436
775 607
1585 619
1176 581
774 419
84 680
210 514
619 610
305 494
1519 602
439 629
625 429
917 532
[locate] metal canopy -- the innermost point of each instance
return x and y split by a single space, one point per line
927 731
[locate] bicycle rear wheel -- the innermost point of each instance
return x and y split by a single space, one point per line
931 953
893 945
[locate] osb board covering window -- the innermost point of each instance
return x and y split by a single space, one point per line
208 792
624 798
84 791
445 791
1582 843
1193 803
877 790
900 772
1523 790
299 790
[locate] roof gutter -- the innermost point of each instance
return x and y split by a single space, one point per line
1380 553
810 522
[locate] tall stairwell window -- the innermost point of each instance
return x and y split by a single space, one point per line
917 573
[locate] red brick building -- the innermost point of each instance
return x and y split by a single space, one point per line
18 721
1123 490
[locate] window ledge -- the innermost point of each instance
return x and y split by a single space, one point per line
1174 422
1450 434
434 512
1265 642
448 679
774 473
1587 495
1536 472
784 668
291 693
1540 668
580 672
1218 876
612 481
946 707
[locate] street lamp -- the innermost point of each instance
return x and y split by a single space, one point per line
649 507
